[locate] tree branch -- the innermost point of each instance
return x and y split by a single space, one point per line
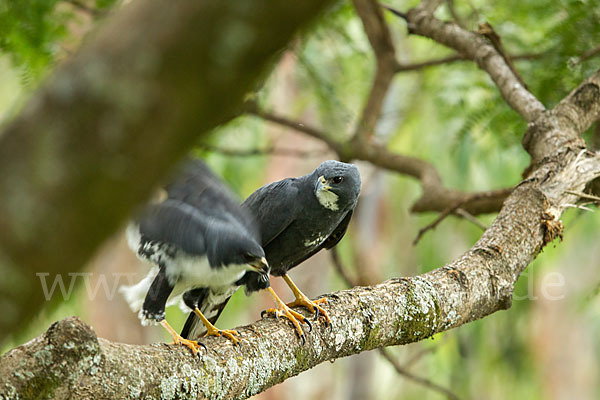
562 126
475 47
435 196
272 150
380 38
418 379
342 271
111 121
398 311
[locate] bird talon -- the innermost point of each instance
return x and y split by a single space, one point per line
309 324
317 312
303 301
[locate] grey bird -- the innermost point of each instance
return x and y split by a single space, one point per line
297 218
201 244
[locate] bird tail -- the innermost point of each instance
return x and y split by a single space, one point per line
194 328
136 294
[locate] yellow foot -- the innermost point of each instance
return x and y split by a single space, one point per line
302 300
190 344
228 333
313 306
178 340
283 310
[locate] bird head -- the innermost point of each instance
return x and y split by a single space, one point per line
234 246
257 262
337 185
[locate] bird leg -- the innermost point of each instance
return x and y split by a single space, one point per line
302 300
191 344
284 311
212 330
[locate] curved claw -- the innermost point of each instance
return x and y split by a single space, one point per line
263 313
313 306
308 323
226 333
201 345
317 314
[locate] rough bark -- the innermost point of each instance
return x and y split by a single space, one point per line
111 121
69 361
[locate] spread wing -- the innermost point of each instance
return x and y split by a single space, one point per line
198 206
187 226
272 208
195 184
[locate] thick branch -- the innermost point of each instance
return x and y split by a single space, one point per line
110 122
564 124
70 359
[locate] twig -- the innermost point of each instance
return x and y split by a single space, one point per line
340 268
394 11
595 145
423 381
272 150
84 7
454 14
252 108
488 31
435 222
452 209
424 351
455 58
589 54
469 217
584 195
430 63
579 206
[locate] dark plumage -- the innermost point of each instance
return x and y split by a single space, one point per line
300 216
201 244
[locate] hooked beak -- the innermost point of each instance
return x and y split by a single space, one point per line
260 265
322 183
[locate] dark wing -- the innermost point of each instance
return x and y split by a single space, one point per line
330 242
338 233
271 207
186 226
195 184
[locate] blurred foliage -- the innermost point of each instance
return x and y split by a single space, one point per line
450 115
36 33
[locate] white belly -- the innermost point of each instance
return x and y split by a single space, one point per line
188 273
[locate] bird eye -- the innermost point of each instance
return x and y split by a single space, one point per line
338 179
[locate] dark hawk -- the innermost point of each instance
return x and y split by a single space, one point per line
201 244
297 218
